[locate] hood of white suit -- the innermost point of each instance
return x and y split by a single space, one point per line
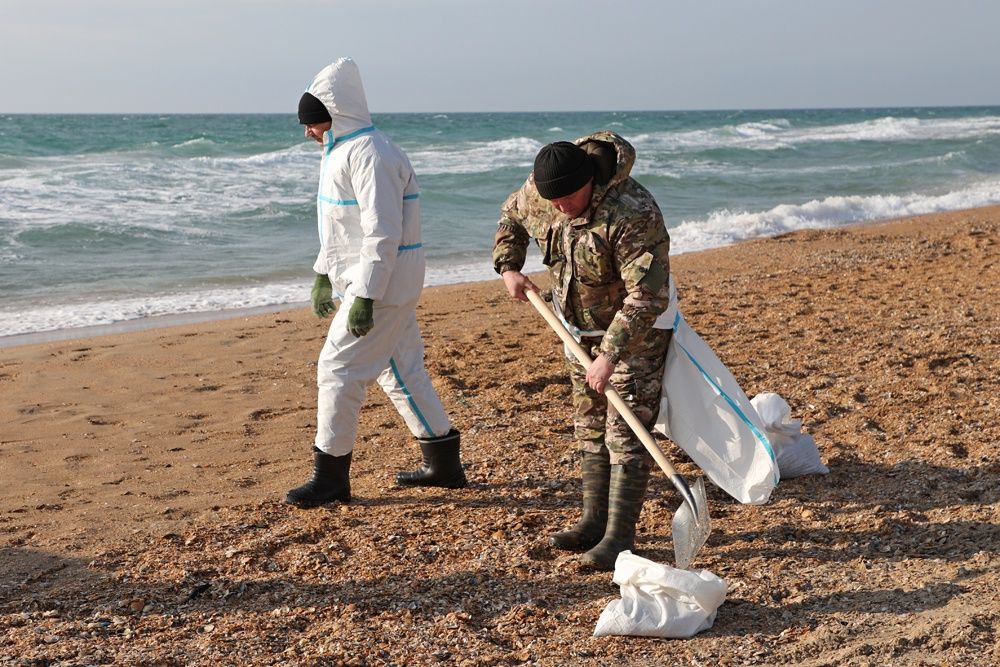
338 86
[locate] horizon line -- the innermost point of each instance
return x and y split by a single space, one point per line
548 111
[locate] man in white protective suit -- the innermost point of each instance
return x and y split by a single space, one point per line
371 258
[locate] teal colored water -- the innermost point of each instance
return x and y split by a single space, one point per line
105 218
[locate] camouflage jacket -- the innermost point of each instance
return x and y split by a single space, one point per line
599 260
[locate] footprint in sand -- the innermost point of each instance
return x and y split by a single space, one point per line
102 421
264 414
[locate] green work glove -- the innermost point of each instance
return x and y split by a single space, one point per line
359 317
322 296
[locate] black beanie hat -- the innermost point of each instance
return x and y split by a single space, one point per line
311 110
561 169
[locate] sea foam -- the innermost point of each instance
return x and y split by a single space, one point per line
87 314
726 227
475 157
778 133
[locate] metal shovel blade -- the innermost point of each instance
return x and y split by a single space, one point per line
690 531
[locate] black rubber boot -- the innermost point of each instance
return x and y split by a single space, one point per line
595 469
628 490
441 467
330 481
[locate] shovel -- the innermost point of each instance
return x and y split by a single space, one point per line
690 526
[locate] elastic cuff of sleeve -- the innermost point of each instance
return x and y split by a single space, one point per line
612 356
503 268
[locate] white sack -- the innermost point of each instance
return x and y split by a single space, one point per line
796 451
660 601
705 412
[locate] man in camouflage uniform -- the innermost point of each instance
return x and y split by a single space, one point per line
606 246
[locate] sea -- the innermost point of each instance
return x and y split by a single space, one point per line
111 219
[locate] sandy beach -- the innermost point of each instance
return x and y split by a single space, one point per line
142 522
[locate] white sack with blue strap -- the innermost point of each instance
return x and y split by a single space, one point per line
660 601
796 451
704 410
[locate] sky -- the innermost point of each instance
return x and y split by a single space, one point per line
257 56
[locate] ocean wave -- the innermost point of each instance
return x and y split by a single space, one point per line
726 227
778 133
904 129
73 316
190 212
297 153
200 141
758 135
678 168
154 194
475 157
12 162
8 256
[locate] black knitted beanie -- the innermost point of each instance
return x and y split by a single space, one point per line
561 169
311 110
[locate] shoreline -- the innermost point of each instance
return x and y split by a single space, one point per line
141 324
200 317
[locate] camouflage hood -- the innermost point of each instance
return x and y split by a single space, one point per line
599 144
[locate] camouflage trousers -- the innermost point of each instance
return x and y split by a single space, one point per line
638 379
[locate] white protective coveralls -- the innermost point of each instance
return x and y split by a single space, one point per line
369 229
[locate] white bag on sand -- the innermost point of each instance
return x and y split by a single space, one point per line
796 451
660 601
704 410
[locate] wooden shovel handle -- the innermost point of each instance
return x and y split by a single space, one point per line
613 397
